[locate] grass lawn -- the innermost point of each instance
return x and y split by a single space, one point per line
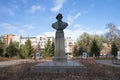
95 71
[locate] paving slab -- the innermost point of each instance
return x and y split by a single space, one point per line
59 67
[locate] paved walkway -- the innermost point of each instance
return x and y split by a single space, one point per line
20 61
14 62
107 62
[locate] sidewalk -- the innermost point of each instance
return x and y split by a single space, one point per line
107 62
14 62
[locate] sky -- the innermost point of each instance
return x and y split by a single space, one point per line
35 17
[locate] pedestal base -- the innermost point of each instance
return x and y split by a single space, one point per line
59 59
59 67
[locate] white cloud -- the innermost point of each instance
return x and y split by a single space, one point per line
75 33
7 26
49 34
58 4
23 30
77 25
70 18
29 27
26 29
35 8
118 27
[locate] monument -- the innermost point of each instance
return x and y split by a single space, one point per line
60 55
59 63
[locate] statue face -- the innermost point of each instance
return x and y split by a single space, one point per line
59 17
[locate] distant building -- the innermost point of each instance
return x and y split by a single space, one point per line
38 40
7 38
17 39
106 49
32 39
42 40
69 44
35 41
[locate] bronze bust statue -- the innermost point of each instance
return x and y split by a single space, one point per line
59 25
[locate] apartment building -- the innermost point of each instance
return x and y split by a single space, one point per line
7 38
106 49
40 39
69 44
17 39
32 39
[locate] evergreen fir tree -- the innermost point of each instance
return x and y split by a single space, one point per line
75 51
114 49
1 48
27 50
48 50
95 49
11 50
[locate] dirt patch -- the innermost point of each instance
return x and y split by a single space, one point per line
3 59
95 71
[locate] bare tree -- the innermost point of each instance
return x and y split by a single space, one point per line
113 32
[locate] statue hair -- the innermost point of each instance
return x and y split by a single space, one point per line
59 15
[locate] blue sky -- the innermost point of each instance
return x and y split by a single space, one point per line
35 17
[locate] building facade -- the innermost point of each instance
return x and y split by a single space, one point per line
106 49
69 44
40 40
7 38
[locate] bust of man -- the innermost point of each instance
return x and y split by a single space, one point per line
59 25
60 55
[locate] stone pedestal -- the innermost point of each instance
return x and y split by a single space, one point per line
59 59
59 47
59 67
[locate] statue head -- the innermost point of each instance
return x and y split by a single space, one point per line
59 17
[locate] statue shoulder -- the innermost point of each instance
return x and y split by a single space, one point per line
54 25
66 24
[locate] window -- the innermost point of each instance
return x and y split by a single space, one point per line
40 38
